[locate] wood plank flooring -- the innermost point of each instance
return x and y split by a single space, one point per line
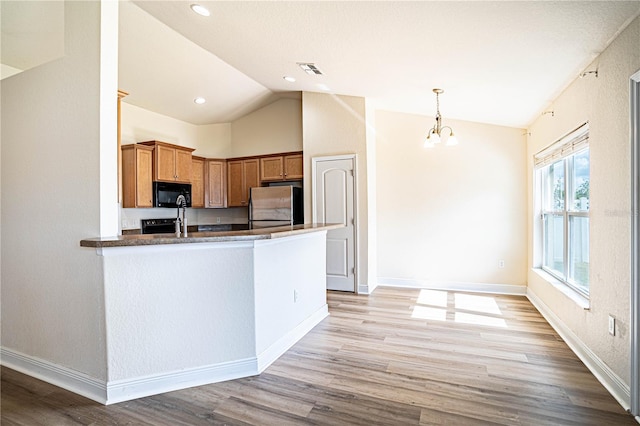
397 357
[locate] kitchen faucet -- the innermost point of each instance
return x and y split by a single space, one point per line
181 201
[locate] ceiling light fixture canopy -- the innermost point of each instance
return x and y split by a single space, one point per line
433 137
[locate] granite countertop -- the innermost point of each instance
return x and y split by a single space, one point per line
207 237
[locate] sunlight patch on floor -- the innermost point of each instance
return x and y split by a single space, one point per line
438 305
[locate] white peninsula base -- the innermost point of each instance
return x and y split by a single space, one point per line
183 315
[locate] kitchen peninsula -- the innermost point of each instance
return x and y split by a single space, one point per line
209 307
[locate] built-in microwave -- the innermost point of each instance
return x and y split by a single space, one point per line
165 194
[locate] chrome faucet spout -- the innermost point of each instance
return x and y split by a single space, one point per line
181 201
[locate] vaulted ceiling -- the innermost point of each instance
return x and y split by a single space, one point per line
499 62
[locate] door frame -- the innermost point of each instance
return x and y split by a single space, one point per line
354 159
634 89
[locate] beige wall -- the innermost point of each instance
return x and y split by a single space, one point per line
139 124
604 103
334 125
274 128
450 214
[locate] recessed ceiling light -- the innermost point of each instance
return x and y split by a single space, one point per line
323 87
200 10
289 79
199 100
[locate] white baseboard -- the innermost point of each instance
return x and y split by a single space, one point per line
366 288
139 387
516 290
273 352
128 389
57 375
610 380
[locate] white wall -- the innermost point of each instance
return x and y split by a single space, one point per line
334 125
52 296
450 214
274 128
604 102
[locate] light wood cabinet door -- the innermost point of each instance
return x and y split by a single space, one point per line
216 184
251 176
165 163
183 166
284 167
242 175
137 176
197 182
144 178
235 184
171 163
271 169
293 167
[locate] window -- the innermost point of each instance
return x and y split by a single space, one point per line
563 195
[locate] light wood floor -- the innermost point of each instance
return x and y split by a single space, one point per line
397 357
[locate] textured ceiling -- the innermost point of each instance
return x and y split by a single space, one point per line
499 62
32 34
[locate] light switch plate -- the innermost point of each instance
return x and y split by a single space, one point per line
612 325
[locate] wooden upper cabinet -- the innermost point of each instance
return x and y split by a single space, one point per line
251 175
242 175
137 176
271 168
293 166
197 181
216 184
281 167
183 165
172 163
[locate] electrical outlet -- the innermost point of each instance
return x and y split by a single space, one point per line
217 220
125 224
501 264
612 325
295 296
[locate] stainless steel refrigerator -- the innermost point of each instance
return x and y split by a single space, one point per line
275 206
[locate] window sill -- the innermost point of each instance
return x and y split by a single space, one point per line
573 295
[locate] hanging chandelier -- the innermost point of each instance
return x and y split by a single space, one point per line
435 133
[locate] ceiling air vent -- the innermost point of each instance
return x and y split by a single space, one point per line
310 68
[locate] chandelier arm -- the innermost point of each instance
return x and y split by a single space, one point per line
447 127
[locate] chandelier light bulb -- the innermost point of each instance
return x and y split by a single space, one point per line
433 136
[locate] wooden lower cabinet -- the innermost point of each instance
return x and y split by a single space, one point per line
197 182
242 175
215 183
137 176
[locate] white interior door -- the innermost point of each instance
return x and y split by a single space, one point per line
334 202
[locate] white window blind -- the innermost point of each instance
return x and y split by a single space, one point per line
570 143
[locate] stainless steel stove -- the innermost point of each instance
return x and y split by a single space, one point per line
158 226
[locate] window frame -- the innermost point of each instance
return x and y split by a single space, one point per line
565 150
